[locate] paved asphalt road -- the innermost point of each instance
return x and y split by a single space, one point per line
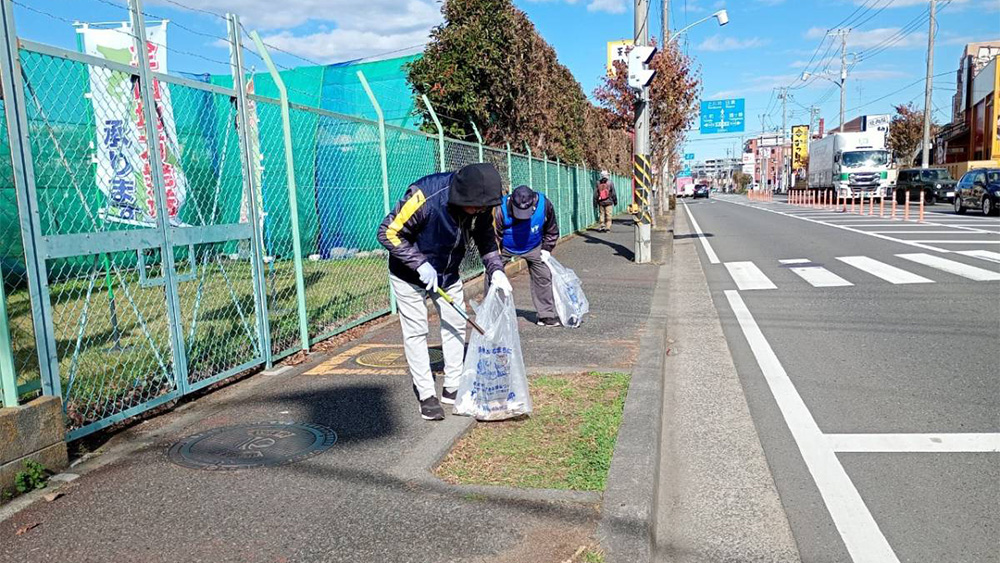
872 371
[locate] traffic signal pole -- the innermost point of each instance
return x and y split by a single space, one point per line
642 177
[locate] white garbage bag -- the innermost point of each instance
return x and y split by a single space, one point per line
567 291
494 383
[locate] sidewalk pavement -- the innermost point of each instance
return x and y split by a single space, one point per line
354 502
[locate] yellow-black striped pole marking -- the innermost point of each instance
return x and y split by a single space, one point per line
642 182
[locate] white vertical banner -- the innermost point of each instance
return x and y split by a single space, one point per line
124 175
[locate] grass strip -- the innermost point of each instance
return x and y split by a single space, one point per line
566 443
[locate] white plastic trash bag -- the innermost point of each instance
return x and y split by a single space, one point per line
567 291
494 384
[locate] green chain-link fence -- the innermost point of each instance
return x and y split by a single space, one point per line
123 332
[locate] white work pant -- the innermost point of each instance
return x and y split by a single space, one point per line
413 318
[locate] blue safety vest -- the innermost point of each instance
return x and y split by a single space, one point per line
520 237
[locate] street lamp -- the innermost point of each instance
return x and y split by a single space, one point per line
722 16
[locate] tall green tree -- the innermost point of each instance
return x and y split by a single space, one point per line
487 63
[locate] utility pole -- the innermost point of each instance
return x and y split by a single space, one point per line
783 94
813 114
925 159
640 154
842 33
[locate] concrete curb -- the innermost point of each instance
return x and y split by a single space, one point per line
628 512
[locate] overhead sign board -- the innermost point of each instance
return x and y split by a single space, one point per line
618 52
689 156
685 173
769 141
722 116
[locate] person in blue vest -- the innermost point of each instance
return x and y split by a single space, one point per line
426 235
526 228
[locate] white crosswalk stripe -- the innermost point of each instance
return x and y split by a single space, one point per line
982 254
816 275
882 270
952 267
748 276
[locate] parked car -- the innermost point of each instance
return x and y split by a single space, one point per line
700 191
936 183
979 188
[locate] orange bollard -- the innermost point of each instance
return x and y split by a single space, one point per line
893 216
852 203
906 207
861 202
871 205
881 206
921 216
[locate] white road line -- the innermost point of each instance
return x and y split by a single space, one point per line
748 276
795 261
915 443
918 232
843 228
958 241
712 257
981 254
818 276
882 270
952 267
858 529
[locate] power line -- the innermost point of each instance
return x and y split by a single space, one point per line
908 86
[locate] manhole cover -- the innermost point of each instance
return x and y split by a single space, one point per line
394 358
252 445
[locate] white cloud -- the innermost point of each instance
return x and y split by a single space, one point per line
718 42
335 30
769 82
719 4
609 6
869 38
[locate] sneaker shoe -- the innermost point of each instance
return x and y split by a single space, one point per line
549 321
449 397
430 409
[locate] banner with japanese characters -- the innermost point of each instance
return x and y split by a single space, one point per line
124 174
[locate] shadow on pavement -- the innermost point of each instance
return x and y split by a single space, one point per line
620 249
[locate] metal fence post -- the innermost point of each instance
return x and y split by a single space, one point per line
250 183
293 198
510 170
531 177
23 173
383 157
559 193
434 117
545 171
479 140
159 196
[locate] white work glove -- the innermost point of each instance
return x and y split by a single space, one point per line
499 279
545 256
428 276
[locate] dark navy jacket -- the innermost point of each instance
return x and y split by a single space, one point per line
422 227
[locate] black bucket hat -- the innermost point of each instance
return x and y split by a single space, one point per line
476 185
522 202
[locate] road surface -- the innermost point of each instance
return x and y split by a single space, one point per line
869 350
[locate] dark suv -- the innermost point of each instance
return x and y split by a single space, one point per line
979 189
936 183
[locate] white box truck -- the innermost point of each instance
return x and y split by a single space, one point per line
851 164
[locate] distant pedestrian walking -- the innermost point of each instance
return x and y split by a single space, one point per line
426 235
526 227
605 199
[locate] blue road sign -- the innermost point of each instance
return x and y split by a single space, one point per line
689 156
686 172
722 116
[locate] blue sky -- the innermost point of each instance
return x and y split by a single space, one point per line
767 43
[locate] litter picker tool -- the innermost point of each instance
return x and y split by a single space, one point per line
461 311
